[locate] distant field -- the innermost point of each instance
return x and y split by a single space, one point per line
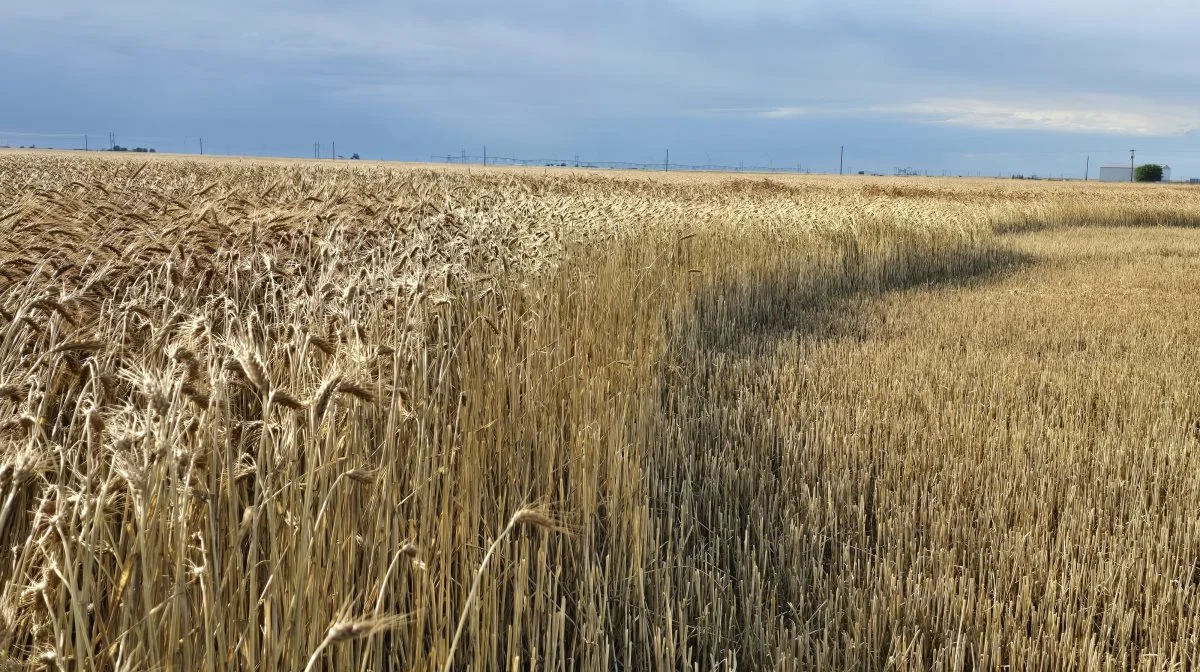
275 414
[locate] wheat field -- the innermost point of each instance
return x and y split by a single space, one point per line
312 416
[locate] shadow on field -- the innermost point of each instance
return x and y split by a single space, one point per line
759 549
749 316
1087 217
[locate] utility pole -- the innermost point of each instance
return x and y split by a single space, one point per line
1132 170
667 162
841 159
485 155
201 146
333 151
1087 168
85 143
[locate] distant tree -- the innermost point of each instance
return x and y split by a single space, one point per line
354 156
1151 172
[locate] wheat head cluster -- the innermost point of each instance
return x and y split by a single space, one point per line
294 416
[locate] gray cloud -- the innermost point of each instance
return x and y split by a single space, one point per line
539 73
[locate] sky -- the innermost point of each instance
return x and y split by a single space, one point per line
967 86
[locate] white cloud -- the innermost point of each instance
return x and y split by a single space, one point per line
1051 16
1099 115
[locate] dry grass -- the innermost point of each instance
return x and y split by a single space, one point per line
257 415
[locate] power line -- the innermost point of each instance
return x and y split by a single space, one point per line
665 164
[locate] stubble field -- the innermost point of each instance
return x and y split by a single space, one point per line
270 415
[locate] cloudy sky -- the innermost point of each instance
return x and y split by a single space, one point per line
1030 86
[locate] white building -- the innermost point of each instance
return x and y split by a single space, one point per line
1115 172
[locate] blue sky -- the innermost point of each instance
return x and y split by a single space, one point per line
969 86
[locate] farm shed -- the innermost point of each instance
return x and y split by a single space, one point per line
1116 173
